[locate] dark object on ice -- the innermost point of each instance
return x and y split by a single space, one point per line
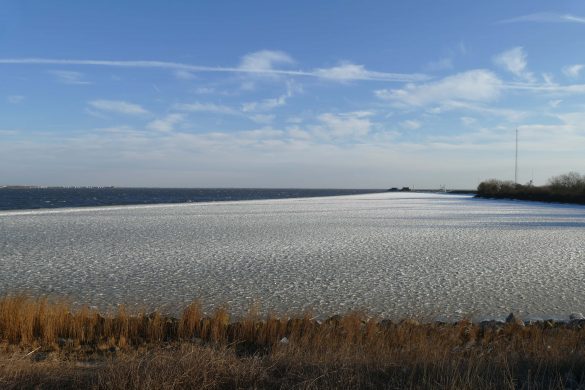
393 189
405 189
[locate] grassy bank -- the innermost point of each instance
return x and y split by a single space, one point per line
51 345
568 188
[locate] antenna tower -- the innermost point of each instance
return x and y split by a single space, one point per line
516 160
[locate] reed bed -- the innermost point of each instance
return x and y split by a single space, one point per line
48 344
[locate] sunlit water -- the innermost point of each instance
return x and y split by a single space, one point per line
393 254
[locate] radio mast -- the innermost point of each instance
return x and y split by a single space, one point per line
516 160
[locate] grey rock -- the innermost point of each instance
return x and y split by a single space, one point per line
513 319
576 317
385 323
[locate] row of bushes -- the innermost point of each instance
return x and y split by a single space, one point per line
568 188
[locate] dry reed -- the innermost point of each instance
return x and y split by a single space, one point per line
48 344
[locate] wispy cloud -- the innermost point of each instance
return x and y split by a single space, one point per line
262 133
479 108
14 99
547 88
262 118
69 77
166 124
411 124
264 60
467 120
344 72
206 107
118 107
265 105
296 132
514 61
271 103
345 125
475 85
347 71
573 71
546 17
548 78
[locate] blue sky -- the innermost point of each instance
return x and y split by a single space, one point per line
366 94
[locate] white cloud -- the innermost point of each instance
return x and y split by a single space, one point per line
358 114
264 60
555 103
514 61
166 124
348 125
269 157
548 78
295 119
546 17
14 99
547 88
118 107
474 85
262 118
573 71
271 103
69 77
263 133
410 124
248 85
206 107
265 105
467 121
344 72
506 113
347 71
298 133
575 119
573 19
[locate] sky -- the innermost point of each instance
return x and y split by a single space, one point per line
345 94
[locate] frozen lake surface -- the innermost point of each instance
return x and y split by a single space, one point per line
394 254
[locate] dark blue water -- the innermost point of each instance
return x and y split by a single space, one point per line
36 198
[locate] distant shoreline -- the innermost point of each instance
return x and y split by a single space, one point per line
580 200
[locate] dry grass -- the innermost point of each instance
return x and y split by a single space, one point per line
49 345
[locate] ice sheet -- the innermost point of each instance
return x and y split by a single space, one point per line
393 254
